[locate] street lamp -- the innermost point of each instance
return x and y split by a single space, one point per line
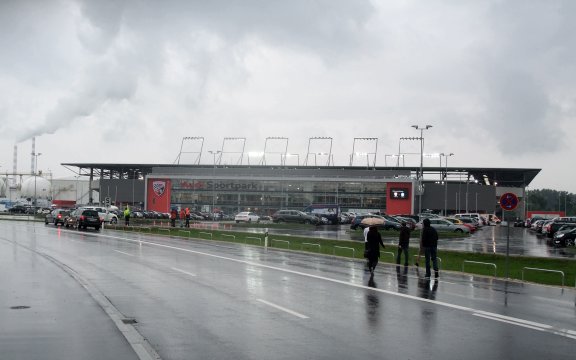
214 153
77 176
421 174
35 175
445 181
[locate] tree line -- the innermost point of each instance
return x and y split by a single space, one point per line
551 200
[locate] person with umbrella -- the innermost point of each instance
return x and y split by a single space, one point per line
372 249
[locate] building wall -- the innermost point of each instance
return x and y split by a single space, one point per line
481 198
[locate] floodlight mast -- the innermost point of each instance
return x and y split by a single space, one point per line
420 174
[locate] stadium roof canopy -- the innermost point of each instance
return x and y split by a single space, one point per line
488 176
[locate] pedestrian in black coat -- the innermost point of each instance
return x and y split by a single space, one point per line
403 242
373 243
430 245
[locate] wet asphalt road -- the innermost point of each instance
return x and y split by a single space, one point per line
197 299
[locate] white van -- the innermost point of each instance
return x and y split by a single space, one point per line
475 216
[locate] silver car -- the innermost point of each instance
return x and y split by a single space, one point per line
445 225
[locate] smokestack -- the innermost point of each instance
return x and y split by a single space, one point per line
15 161
33 153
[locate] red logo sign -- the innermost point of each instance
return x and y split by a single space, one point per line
159 187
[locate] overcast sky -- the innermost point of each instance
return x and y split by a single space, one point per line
122 81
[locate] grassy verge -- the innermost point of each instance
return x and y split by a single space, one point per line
473 263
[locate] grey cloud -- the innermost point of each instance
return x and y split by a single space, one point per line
134 37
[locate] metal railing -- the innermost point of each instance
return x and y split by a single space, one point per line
389 253
479 263
228 235
546 270
345 248
205 233
438 258
253 238
282 241
310 244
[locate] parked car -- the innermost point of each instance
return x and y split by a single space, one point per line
470 225
246 216
564 237
557 223
57 216
19 209
411 223
84 218
294 216
477 216
104 213
445 225
358 219
389 223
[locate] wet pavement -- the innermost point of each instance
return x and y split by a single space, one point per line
46 314
194 299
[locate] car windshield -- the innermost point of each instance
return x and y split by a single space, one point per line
90 213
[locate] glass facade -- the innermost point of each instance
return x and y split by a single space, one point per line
267 196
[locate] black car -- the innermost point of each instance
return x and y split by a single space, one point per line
19 209
85 218
564 237
57 216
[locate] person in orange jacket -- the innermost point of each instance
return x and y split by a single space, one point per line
182 217
187 217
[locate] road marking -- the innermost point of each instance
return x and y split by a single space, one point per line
508 321
183 272
283 309
125 253
494 316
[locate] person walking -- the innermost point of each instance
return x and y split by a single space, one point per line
430 246
403 242
372 252
187 217
173 216
182 217
127 216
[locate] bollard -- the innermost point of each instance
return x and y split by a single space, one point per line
266 239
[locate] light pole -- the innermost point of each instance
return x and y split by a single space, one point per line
35 175
77 176
214 153
420 174
445 181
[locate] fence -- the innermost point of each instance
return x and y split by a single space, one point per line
479 263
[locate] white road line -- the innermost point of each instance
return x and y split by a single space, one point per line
183 272
283 309
125 253
516 321
508 321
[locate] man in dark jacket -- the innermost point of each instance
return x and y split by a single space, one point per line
403 242
373 243
430 245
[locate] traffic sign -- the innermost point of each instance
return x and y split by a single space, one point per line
509 201
107 201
